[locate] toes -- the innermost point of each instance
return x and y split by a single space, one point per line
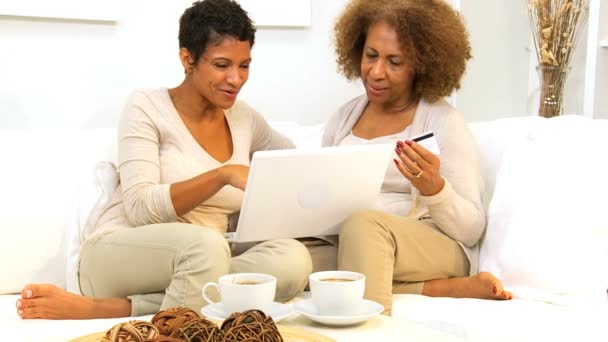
30 308
29 313
30 303
27 291
38 290
491 282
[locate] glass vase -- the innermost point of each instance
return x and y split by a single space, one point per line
552 80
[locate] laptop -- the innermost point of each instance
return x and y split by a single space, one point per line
309 192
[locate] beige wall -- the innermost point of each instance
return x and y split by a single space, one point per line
497 78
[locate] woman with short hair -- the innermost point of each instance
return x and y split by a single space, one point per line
184 158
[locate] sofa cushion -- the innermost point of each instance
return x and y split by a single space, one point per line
35 184
547 234
493 137
95 180
38 186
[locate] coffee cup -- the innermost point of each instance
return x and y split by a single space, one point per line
337 293
244 291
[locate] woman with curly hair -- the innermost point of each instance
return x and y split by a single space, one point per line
184 157
410 54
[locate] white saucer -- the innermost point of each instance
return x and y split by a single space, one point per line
369 309
216 311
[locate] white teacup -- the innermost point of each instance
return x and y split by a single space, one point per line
244 291
337 293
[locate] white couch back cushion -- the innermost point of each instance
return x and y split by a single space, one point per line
547 233
493 138
34 201
38 179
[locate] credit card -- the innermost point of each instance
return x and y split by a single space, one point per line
428 141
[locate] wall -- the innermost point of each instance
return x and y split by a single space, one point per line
501 79
294 75
601 81
496 82
78 73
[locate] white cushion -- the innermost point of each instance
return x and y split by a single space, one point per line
38 188
493 138
35 195
95 180
547 235
93 193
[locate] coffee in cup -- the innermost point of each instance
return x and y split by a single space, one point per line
244 291
337 293
248 282
336 279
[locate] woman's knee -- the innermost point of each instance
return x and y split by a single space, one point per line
297 261
360 223
203 242
295 265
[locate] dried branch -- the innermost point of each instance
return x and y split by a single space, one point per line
556 28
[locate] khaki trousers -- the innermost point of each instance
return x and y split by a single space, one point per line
165 265
397 254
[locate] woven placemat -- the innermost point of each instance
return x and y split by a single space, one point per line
290 334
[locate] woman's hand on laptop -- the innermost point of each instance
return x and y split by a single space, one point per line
235 175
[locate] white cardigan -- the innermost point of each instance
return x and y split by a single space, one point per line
457 209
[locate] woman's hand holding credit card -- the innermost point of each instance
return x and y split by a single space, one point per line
419 163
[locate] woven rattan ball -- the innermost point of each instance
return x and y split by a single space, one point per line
251 325
133 331
200 330
163 338
172 319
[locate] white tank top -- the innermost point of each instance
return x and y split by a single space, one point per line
395 194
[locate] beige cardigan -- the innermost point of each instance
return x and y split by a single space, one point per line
155 149
457 209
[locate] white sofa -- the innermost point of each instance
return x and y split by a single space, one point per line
48 186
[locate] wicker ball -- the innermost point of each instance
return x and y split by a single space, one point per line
200 330
250 325
163 338
133 331
172 319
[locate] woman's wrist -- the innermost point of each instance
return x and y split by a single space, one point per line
225 175
436 189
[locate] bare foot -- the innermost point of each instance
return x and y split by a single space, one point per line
483 285
50 302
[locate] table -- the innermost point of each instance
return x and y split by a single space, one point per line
378 328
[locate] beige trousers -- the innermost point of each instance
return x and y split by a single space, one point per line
397 254
165 265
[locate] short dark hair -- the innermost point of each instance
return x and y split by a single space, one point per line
209 21
432 33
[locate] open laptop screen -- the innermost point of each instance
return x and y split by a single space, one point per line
309 192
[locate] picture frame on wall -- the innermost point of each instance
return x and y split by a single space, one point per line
279 13
106 10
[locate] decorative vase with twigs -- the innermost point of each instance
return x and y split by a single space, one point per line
556 27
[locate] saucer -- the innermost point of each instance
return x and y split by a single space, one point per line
309 310
216 311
